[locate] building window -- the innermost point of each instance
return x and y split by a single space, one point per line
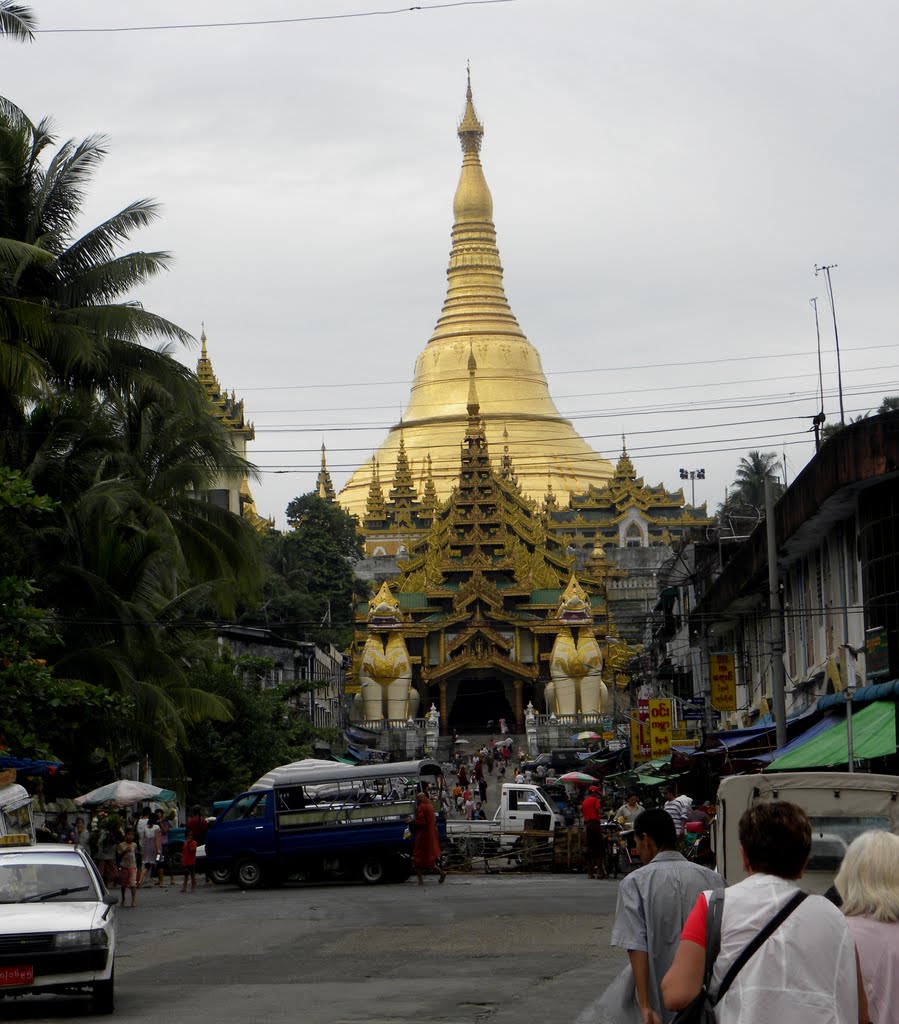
634 536
379 552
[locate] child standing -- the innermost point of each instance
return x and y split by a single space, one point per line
189 860
127 852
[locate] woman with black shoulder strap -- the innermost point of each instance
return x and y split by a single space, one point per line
783 956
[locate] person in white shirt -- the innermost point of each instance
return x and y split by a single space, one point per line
675 808
806 971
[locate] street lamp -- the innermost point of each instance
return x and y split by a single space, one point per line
692 475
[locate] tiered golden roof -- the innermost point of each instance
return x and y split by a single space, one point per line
514 397
324 488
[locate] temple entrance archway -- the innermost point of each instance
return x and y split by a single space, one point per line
476 701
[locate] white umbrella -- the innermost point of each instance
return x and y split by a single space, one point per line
123 793
461 741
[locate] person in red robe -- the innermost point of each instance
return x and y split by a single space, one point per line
426 851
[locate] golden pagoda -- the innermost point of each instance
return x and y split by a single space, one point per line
515 404
230 493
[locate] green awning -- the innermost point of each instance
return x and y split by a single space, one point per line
873 735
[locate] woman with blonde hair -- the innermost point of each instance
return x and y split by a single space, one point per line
868 883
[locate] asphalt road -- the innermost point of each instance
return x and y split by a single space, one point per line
500 949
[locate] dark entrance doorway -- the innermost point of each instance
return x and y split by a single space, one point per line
480 701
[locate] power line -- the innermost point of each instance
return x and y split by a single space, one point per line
582 370
269 21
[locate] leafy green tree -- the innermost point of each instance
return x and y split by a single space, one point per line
890 403
224 758
42 716
309 585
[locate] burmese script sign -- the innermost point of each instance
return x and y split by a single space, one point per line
723 679
641 749
877 653
661 723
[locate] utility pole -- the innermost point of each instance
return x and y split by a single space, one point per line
777 623
836 335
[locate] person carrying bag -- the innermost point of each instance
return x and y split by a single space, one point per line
702 1009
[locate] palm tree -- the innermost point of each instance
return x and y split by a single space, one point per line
17 22
65 322
752 472
744 505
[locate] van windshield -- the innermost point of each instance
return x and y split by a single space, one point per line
250 806
831 838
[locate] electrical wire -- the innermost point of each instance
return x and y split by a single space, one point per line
269 21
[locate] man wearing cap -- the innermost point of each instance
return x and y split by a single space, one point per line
591 809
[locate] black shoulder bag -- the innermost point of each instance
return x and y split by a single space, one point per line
701 1010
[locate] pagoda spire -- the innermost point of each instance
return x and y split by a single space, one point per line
550 501
625 469
429 499
323 484
375 508
506 469
476 319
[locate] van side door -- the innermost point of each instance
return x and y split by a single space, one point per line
246 827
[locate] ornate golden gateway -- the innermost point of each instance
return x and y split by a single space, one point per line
488 603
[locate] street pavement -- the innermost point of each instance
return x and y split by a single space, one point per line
499 949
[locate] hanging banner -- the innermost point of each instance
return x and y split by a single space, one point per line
661 721
723 678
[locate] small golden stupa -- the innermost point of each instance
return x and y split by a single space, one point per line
515 403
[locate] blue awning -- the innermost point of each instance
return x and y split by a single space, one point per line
878 691
30 767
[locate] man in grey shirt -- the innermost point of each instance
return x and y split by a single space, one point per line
653 904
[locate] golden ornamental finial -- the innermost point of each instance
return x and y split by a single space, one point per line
203 354
623 445
474 406
470 129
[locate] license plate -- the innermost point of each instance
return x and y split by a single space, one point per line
21 975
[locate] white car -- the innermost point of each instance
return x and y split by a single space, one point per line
57 925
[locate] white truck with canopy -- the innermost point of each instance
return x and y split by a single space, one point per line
840 806
522 807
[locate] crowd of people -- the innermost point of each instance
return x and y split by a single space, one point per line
760 950
131 851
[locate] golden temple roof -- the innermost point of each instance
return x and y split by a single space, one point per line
477 322
224 406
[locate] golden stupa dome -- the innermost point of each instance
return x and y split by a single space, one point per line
476 320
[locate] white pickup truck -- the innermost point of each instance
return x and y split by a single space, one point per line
519 804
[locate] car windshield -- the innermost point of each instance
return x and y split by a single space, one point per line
44 877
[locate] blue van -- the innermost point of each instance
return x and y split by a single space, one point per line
322 820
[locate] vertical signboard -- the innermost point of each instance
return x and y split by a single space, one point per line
723 679
641 749
661 722
877 653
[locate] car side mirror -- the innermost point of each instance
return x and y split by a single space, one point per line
110 899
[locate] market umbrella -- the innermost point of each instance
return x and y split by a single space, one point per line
588 735
460 742
579 778
123 793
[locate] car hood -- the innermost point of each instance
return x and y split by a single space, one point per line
52 916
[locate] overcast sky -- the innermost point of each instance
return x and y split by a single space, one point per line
665 178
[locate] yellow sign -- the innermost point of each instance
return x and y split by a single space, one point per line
723 682
608 735
640 742
661 720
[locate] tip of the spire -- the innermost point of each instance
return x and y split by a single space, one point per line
472 362
203 339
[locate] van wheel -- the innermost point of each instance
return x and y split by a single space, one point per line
248 873
374 871
221 876
103 994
